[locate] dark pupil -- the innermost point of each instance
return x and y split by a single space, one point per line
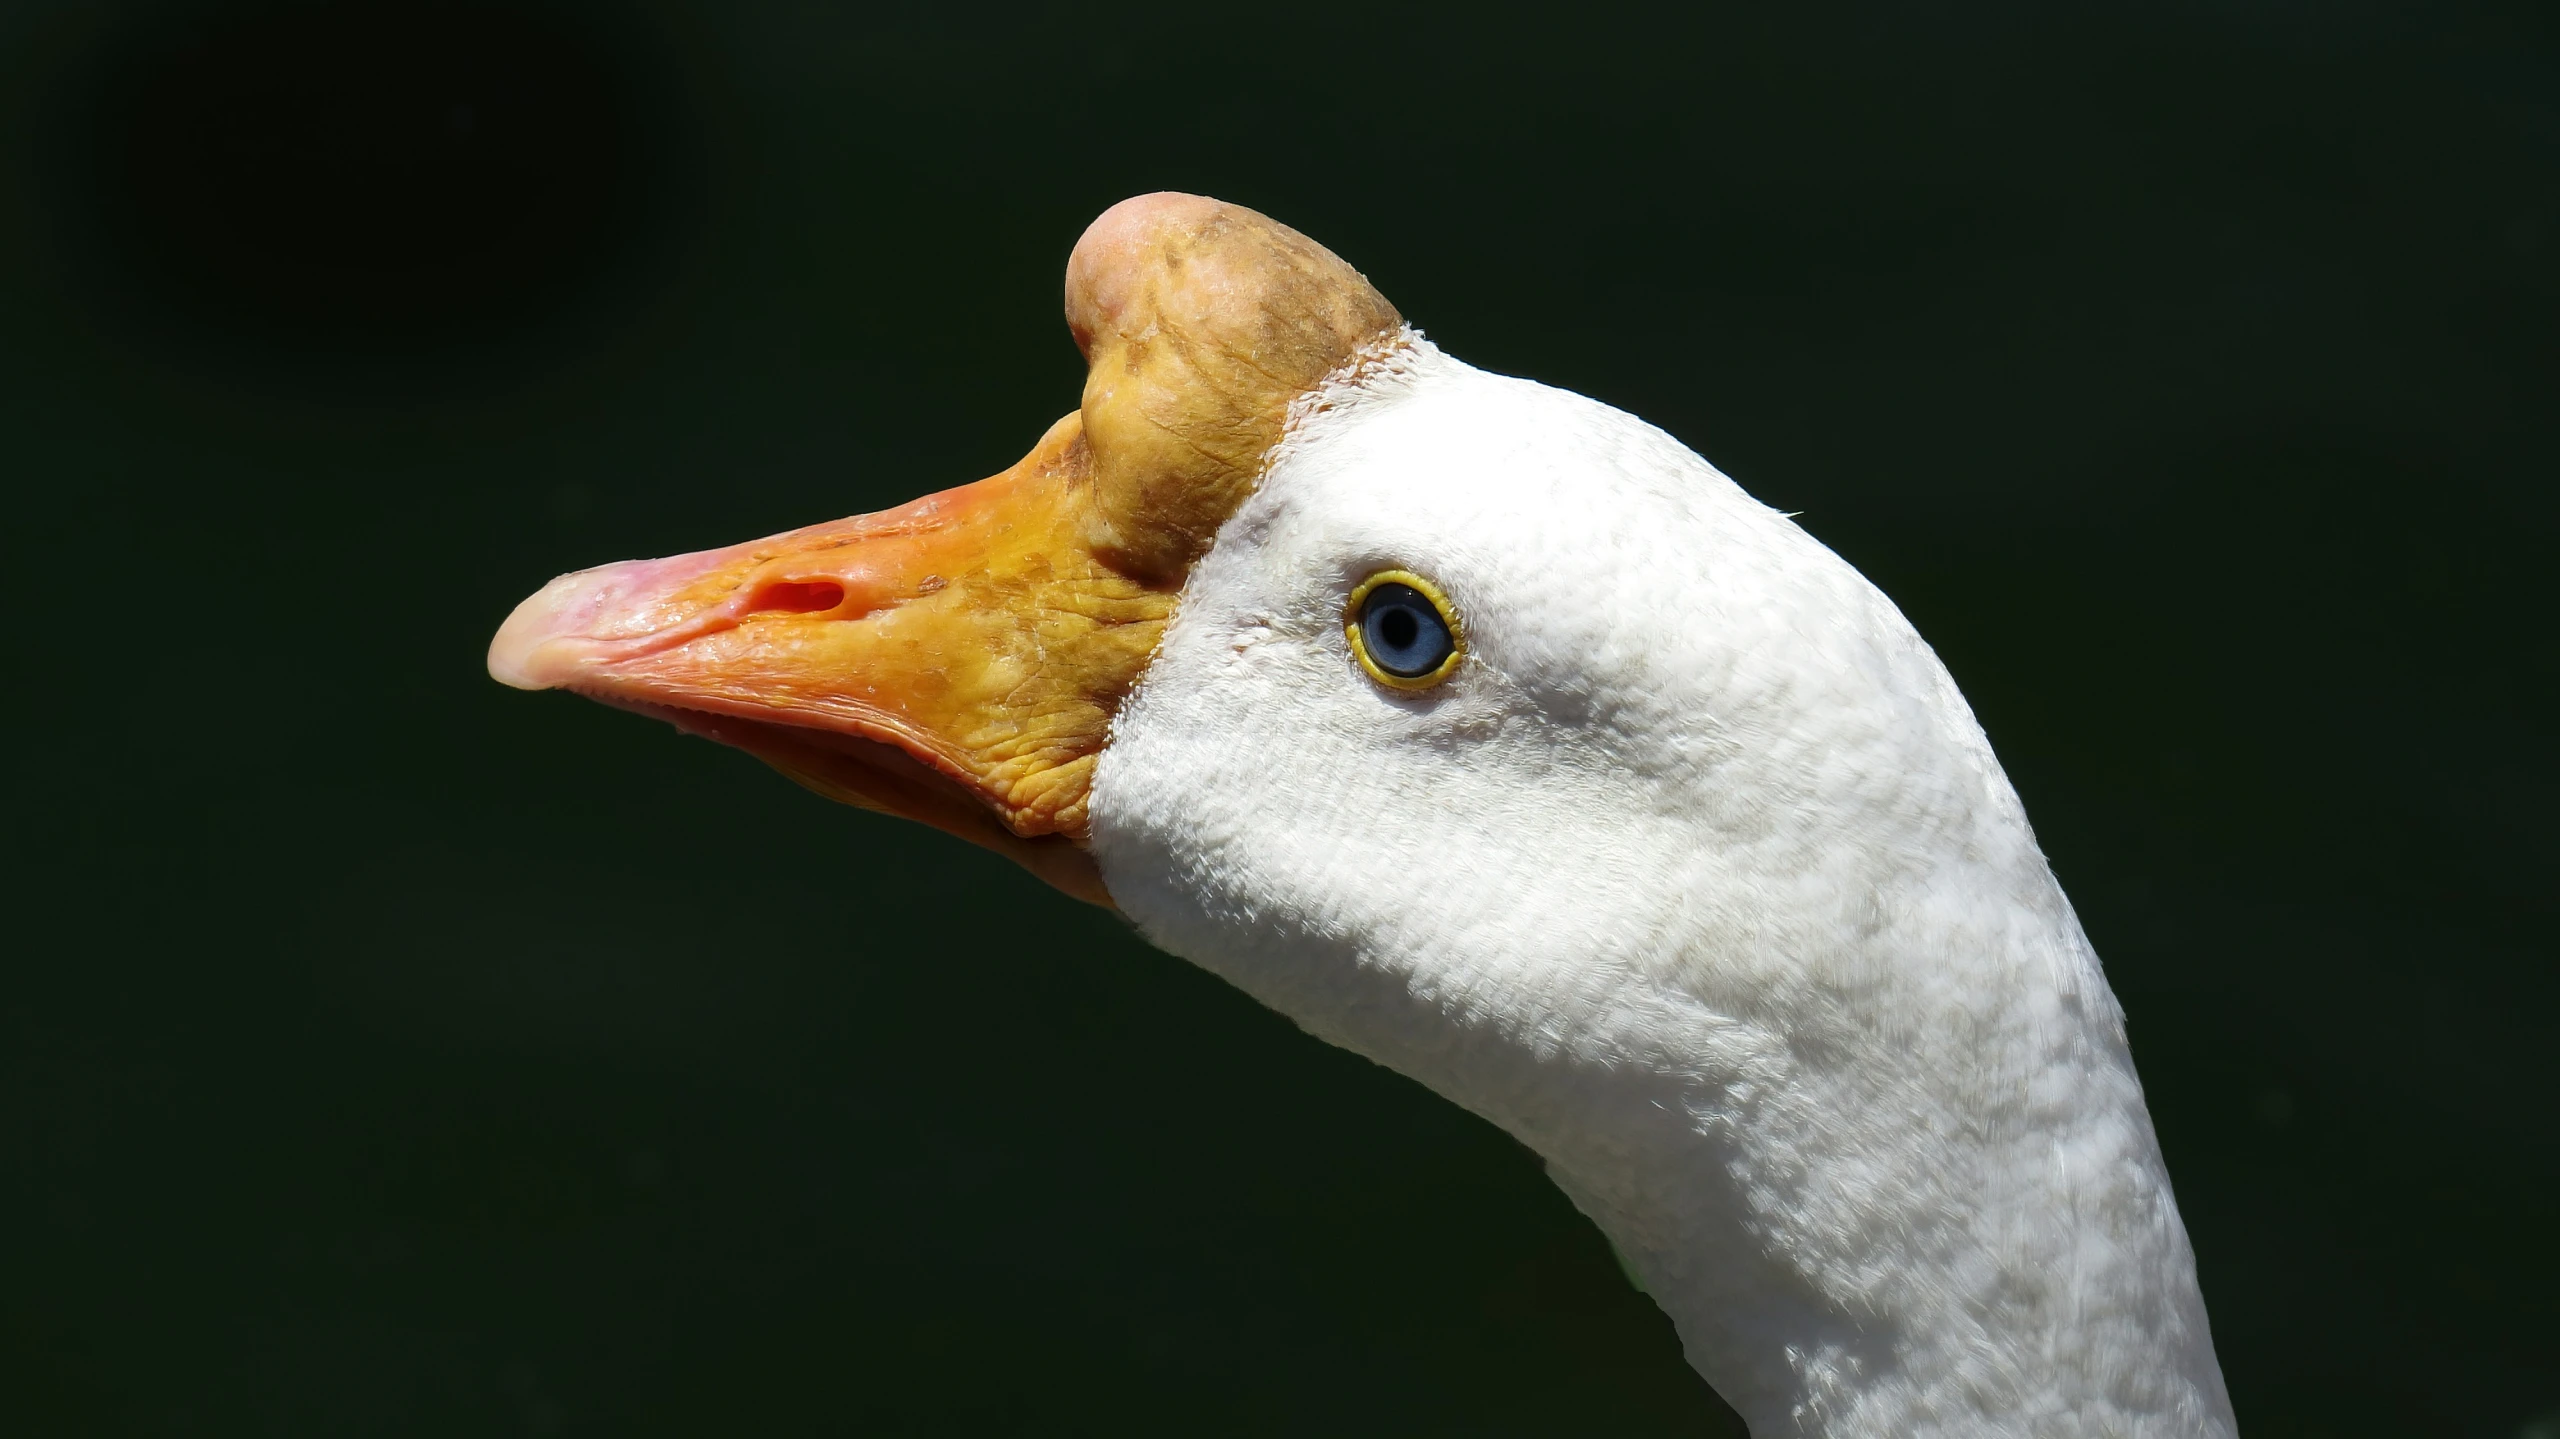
1405 633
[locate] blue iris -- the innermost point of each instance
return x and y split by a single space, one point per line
1404 632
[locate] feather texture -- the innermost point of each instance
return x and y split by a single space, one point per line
1700 878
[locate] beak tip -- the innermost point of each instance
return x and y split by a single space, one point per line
528 652
508 667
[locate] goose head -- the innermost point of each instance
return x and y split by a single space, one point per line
1487 731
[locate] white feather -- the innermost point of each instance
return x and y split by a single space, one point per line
1700 878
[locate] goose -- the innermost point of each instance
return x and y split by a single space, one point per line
1489 732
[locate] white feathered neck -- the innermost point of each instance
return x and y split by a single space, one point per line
1698 877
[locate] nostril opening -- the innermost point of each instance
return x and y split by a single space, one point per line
798 597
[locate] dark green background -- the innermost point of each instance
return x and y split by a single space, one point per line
389 1053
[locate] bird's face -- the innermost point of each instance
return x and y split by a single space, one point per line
1396 692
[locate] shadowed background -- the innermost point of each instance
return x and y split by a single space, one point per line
383 1052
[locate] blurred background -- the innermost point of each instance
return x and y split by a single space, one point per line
383 1052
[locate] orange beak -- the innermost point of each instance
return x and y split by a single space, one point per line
958 660
955 661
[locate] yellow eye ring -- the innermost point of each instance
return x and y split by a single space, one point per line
1413 650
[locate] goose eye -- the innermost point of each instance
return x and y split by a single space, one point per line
1403 631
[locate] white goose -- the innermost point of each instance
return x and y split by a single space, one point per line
1488 732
